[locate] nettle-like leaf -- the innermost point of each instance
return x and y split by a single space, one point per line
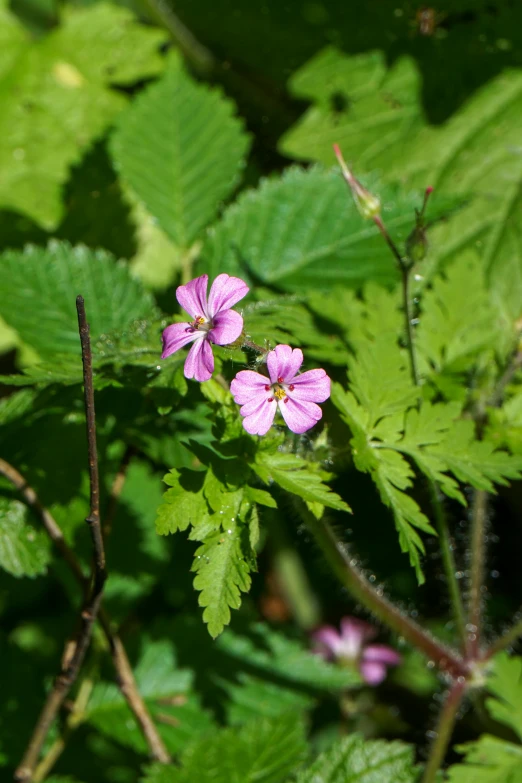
263 751
505 683
181 149
39 290
356 102
167 692
302 231
24 550
57 97
355 760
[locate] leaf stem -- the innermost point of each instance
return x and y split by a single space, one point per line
508 638
405 267
448 561
446 723
346 570
479 514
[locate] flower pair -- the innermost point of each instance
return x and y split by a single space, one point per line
294 394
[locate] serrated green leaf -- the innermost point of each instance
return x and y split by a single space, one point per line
184 504
24 551
180 149
293 474
263 751
249 697
39 290
56 99
489 760
355 760
16 405
223 564
166 691
301 231
380 109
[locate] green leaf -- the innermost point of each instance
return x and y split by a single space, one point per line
391 474
56 99
184 504
271 653
489 760
505 683
263 751
166 691
355 760
223 564
39 290
446 341
180 149
356 102
302 231
24 551
16 405
293 474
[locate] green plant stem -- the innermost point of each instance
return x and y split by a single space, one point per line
201 58
448 561
477 567
351 577
508 638
405 269
445 726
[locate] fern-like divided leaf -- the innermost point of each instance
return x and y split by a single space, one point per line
354 760
39 290
181 149
263 751
388 426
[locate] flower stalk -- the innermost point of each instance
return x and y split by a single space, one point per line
445 726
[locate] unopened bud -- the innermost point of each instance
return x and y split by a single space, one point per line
368 205
417 242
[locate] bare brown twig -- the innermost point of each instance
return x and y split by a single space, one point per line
91 609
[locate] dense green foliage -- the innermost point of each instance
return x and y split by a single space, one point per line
133 159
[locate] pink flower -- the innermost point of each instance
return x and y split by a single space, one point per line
294 394
350 646
213 322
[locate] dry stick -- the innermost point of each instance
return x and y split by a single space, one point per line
71 667
122 665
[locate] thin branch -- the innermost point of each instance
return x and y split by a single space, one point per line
446 723
509 637
346 570
71 666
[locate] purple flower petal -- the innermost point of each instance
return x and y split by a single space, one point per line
193 296
313 385
248 385
176 336
225 292
327 641
260 417
381 653
199 363
357 632
373 673
283 362
300 416
228 325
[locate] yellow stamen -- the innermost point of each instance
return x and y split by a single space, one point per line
279 393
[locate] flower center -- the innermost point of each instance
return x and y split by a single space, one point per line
200 324
279 390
